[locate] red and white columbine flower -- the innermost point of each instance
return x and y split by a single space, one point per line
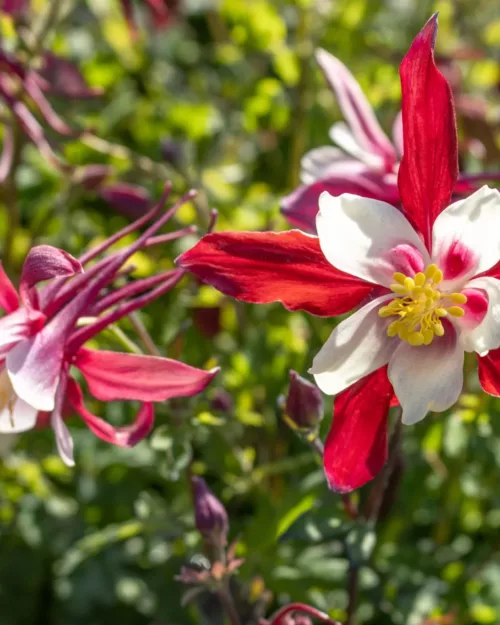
427 281
41 338
364 162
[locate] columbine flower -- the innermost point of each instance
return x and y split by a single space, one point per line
427 282
365 161
41 338
19 85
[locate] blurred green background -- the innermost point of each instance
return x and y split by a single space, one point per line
235 86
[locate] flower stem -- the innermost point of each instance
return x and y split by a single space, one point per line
379 489
227 603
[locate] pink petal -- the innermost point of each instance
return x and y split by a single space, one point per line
17 326
356 447
45 262
356 109
34 365
397 134
301 206
429 168
113 375
263 267
127 436
9 299
63 437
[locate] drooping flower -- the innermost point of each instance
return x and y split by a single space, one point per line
20 86
427 283
42 337
364 162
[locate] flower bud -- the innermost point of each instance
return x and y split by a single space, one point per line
303 409
172 152
128 199
91 177
221 401
210 515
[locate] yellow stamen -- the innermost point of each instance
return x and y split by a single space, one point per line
419 307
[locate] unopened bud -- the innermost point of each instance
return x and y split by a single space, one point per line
91 177
172 152
221 401
129 199
303 409
210 515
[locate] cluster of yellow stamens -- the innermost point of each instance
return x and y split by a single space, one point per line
420 307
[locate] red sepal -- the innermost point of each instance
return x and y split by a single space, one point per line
429 168
263 267
489 372
356 447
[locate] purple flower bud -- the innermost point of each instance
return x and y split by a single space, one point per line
172 152
304 404
210 515
63 78
91 177
128 199
221 401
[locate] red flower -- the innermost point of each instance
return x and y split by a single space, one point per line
41 339
365 161
426 280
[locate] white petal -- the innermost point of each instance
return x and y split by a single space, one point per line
327 160
343 137
22 417
427 377
357 346
356 235
63 439
473 223
486 335
15 414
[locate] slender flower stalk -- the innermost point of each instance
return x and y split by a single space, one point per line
41 338
425 282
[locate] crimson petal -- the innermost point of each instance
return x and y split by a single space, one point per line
263 267
429 167
489 372
112 375
356 447
9 299
127 436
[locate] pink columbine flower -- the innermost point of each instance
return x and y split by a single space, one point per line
365 161
19 85
427 283
41 338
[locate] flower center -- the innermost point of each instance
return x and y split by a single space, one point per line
420 306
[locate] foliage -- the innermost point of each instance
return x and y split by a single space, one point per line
234 85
